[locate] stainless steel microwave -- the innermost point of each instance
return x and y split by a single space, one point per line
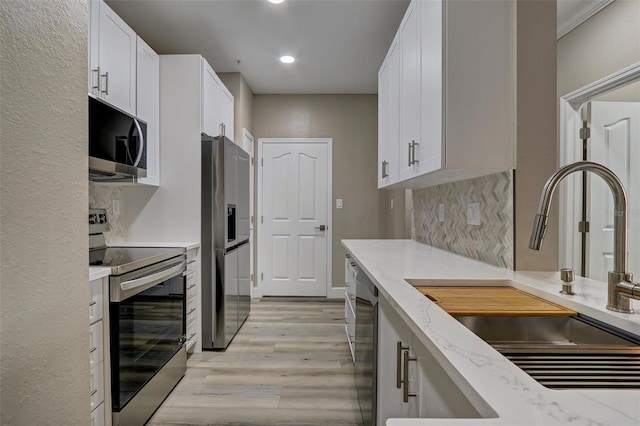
117 144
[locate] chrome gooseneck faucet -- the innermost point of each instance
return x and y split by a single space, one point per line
621 287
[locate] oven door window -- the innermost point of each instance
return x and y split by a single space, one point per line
147 329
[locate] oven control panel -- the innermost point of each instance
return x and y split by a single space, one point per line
98 221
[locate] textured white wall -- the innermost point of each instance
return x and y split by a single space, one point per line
44 372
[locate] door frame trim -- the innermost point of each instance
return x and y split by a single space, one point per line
259 224
569 124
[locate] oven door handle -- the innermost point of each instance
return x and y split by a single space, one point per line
139 282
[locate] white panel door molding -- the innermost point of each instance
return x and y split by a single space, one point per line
248 145
615 142
294 227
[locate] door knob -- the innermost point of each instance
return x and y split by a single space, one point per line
321 228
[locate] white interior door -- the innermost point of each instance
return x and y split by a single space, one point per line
295 207
615 142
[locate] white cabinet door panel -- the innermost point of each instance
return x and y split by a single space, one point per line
389 117
210 105
117 59
226 111
148 106
410 91
429 153
391 331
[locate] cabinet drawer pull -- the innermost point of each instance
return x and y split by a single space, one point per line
93 349
95 77
399 350
93 392
191 311
191 286
191 336
106 83
405 381
93 303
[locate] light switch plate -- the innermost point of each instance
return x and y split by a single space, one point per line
441 212
473 214
116 207
338 203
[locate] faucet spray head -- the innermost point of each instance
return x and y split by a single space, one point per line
538 231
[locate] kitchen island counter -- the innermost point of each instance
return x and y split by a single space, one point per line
488 379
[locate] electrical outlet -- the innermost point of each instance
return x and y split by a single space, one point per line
473 214
441 212
338 203
115 207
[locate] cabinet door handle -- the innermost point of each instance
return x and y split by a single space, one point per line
106 83
191 311
93 392
95 78
412 153
399 350
385 172
405 380
93 303
93 349
409 154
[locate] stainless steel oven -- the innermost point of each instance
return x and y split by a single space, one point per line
147 329
146 322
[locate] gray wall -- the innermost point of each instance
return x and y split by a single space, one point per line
351 120
537 152
606 43
44 363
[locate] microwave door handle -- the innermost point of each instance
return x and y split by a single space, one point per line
139 282
141 144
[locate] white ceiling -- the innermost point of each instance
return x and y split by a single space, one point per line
339 45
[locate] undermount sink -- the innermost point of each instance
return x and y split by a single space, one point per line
563 352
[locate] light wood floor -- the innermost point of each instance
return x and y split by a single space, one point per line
288 365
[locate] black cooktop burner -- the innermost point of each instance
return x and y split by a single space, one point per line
123 259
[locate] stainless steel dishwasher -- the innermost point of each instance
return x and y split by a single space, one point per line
366 338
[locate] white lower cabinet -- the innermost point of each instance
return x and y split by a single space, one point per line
394 344
97 416
99 372
192 300
411 383
350 305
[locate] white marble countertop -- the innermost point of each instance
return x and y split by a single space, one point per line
97 272
489 380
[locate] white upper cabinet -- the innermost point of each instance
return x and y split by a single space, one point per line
389 116
409 90
112 58
210 105
148 107
217 104
457 93
226 105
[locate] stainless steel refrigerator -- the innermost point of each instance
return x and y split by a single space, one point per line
226 284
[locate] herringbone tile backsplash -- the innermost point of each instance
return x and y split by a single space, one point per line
491 241
100 197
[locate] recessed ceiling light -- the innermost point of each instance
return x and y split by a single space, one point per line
276 1
287 59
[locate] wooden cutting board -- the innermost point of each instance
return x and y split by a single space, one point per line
491 301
